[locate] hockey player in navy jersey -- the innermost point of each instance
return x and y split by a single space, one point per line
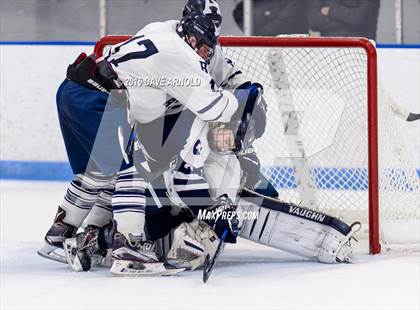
94 125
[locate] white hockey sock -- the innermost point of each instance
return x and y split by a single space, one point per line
130 223
81 195
101 212
128 203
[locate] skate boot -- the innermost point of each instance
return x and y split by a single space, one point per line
136 258
55 237
86 250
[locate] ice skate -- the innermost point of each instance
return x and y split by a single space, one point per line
137 258
84 252
55 237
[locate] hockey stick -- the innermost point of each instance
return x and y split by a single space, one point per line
209 263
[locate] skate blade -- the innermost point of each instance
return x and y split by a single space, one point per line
50 252
129 268
72 260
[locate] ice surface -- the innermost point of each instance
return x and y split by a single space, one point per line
247 276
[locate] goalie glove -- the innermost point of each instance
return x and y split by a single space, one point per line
222 216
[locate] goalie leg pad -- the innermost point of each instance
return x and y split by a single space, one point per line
297 230
335 249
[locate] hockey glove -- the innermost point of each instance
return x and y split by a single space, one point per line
223 217
82 71
251 165
249 121
97 76
248 95
255 180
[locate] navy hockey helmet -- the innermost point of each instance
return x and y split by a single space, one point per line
209 8
201 27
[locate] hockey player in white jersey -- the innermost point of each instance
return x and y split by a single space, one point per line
169 51
326 240
221 107
169 54
228 76
175 105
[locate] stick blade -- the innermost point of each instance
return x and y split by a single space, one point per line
207 269
413 117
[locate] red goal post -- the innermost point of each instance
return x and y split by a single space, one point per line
372 101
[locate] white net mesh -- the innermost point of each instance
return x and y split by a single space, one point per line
327 90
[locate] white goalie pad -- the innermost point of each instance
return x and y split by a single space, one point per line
192 242
295 229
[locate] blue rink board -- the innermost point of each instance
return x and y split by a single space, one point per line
326 178
35 170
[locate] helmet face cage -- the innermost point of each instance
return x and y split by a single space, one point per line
209 8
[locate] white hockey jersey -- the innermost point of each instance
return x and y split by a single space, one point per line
224 71
162 72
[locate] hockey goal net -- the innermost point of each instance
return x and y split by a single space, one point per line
328 144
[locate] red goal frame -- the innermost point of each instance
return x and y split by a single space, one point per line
372 97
